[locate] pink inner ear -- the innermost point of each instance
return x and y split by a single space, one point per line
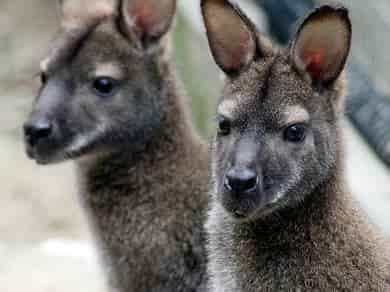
322 44
142 16
314 62
231 39
148 19
239 55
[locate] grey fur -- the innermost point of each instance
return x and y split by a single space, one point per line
142 167
301 230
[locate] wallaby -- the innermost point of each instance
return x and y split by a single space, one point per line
111 101
282 218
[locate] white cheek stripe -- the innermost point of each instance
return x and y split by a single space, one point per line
83 140
227 107
287 186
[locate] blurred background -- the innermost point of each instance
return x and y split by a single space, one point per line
45 244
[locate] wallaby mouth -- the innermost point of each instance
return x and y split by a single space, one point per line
48 151
40 156
45 143
249 205
246 195
39 139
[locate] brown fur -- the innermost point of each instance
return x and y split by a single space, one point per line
142 168
299 229
147 208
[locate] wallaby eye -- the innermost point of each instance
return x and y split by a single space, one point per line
224 126
105 86
295 133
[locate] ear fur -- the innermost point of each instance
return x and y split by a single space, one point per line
147 21
322 44
232 36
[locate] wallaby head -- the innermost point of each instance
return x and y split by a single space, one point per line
103 81
278 118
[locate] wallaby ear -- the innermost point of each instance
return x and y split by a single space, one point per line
231 35
322 44
146 21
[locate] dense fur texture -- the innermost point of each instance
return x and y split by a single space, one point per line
111 101
281 217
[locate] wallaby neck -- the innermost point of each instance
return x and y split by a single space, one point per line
153 193
326 233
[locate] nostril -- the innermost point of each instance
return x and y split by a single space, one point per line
43 133
250 183
28 129
36 131
241 180
268 183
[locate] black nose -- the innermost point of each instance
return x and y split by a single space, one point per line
36 131
241 180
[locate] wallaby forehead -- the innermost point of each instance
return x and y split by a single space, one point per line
93 41
101 52
269 90
63 48
104 42
286 87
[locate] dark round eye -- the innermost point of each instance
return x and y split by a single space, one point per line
295 133
224 127
105 86
43 78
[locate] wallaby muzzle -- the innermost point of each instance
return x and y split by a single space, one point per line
42 132
242 177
